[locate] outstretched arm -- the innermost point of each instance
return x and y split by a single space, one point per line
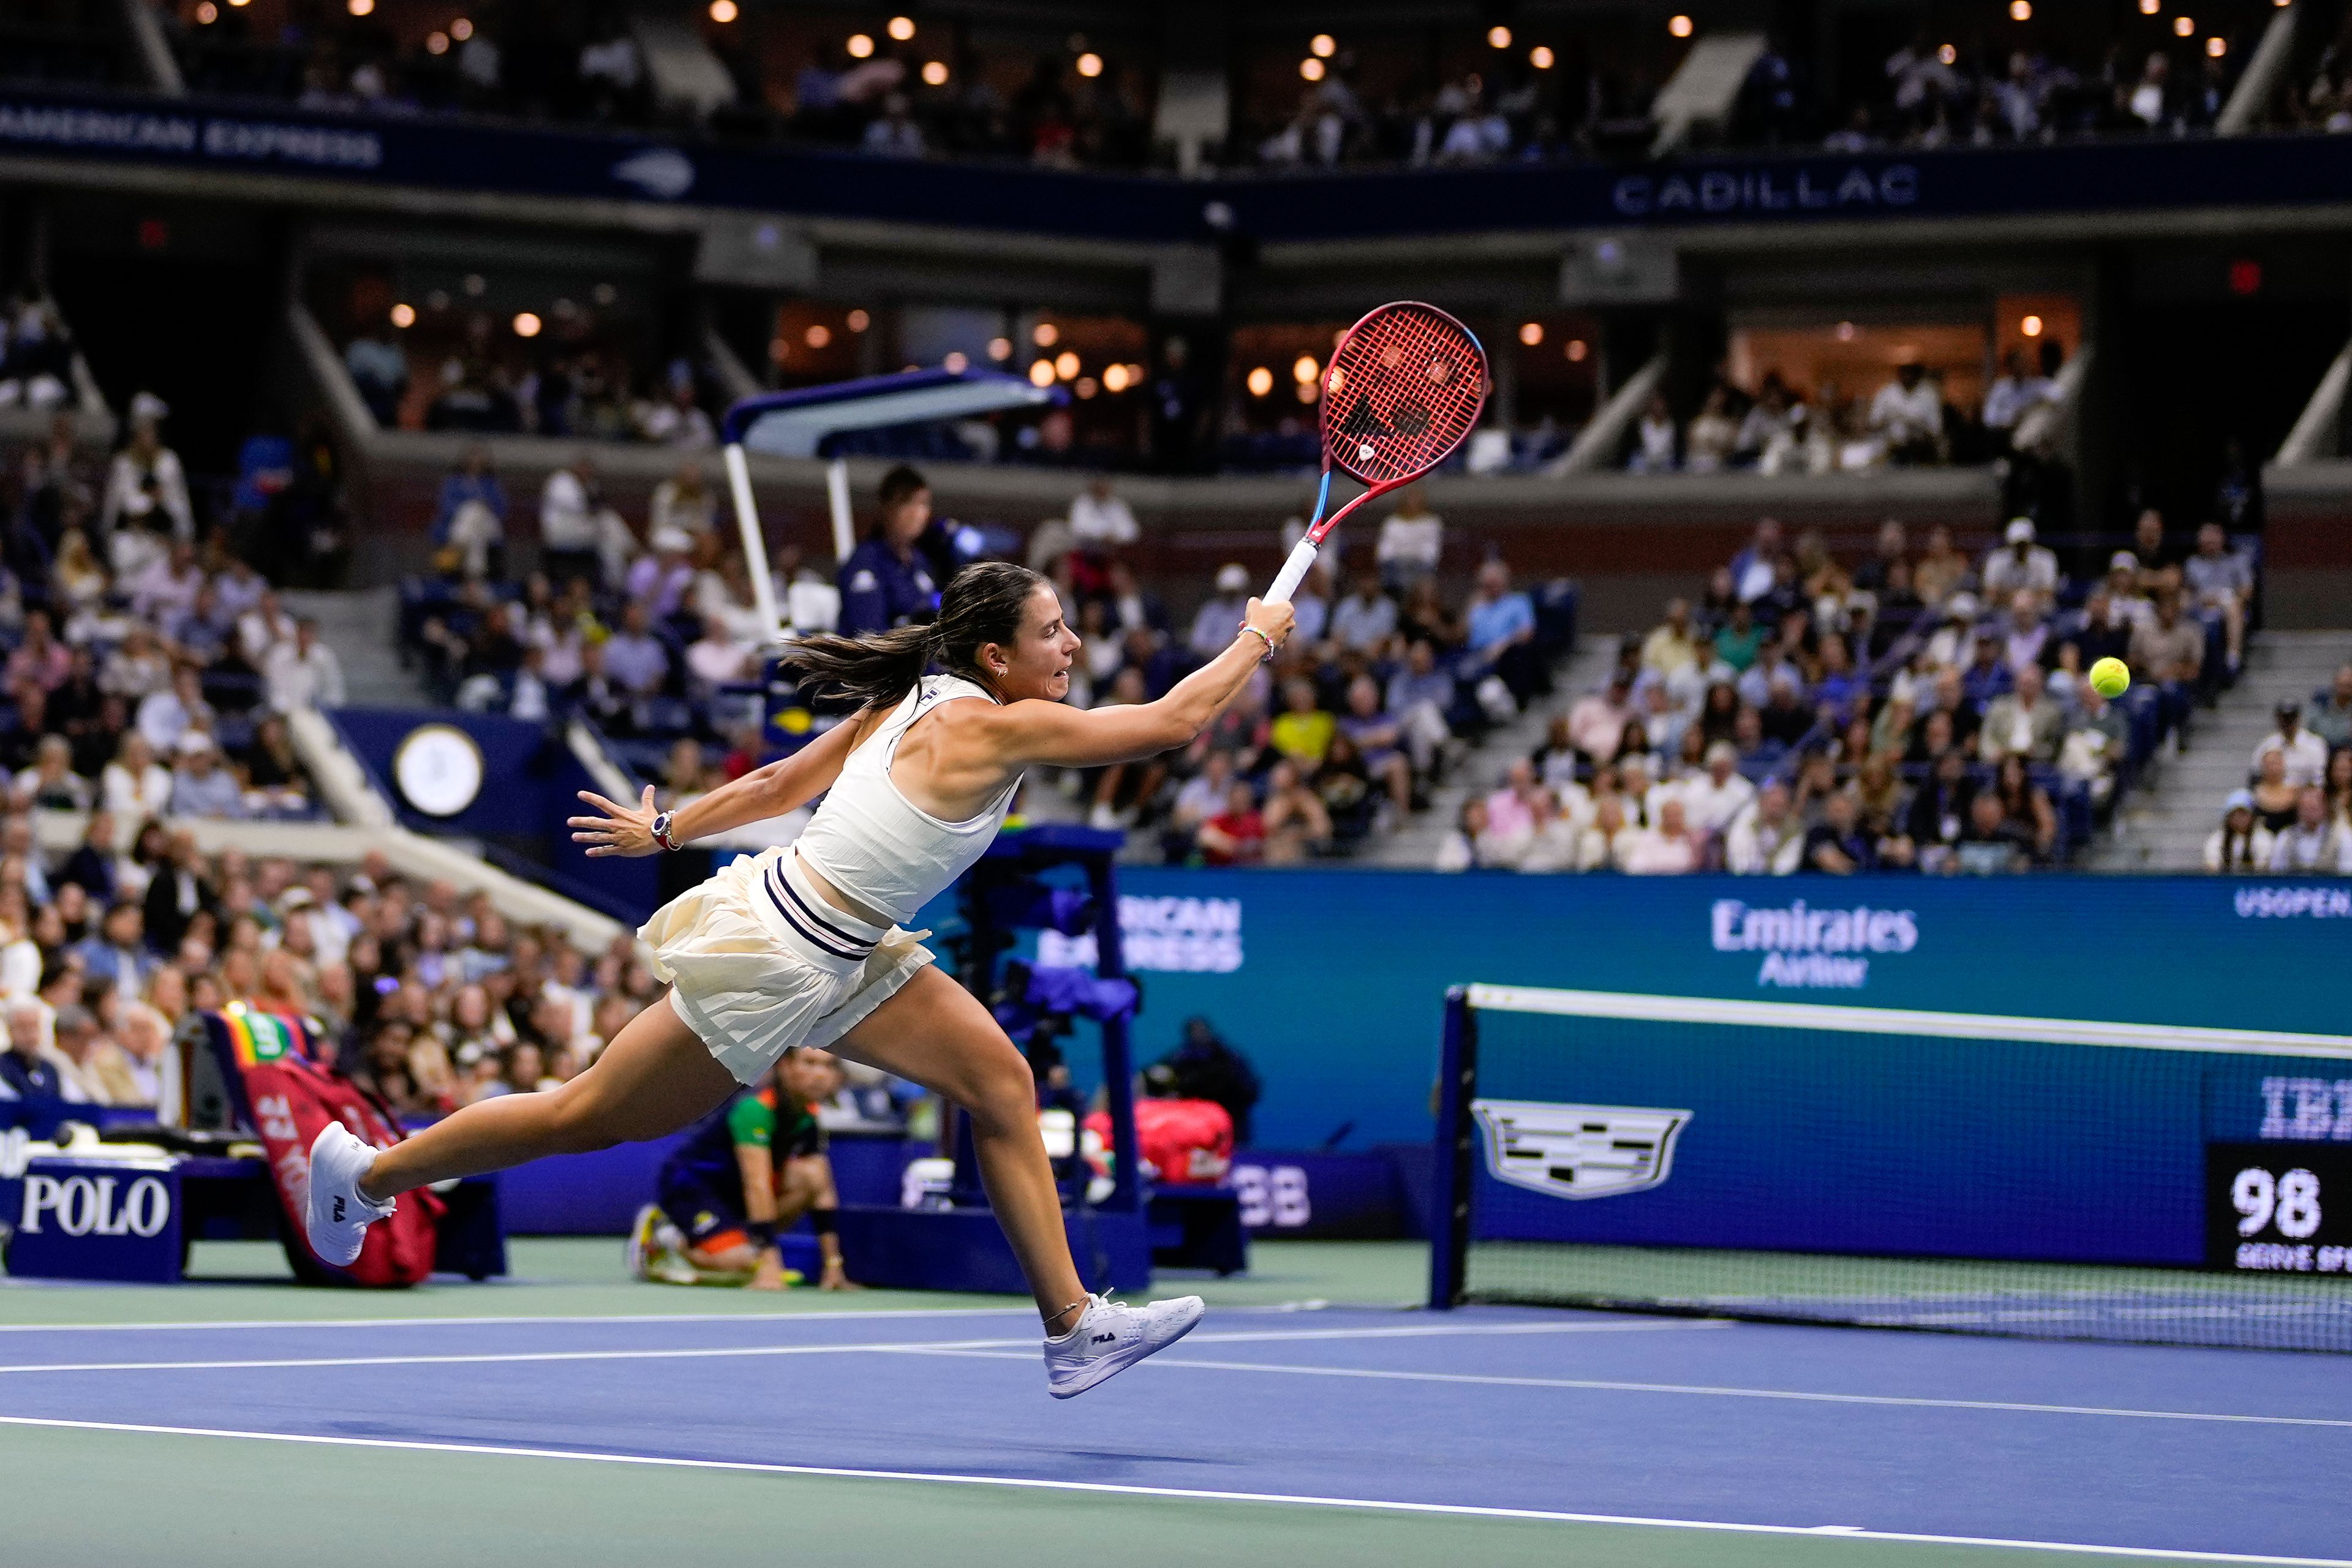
1059 736
782 785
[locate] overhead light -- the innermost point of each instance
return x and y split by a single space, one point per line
1305 370
208 14
403 314
1498 37
2217 45
1679 26
779 350
818 335
526 325
1041 372
435 43
1085 387
1322 47
1066 365
1845 332
1577 349
999 348
2150 7
1540 57
1531 333
1309 392
2183 25
1311 69
1090 65
1045 335
1260 381
359 8
723 11
860 46
2030 326
461 30
1948 55
901 29
2020 10
1115 378
957 362
859 320
935 73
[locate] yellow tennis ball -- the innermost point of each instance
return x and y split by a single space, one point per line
2110 678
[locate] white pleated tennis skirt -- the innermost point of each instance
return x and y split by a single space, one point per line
758 961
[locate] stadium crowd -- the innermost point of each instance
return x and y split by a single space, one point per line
1906 420
1373 96
430 999
2295 812
653 639
152 671
1920 709
1378 693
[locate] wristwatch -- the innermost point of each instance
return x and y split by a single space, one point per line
661 831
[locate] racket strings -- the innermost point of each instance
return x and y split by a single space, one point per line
1403 391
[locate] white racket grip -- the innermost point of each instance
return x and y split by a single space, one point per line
1293 573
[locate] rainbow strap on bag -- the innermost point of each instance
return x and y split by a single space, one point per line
258 1038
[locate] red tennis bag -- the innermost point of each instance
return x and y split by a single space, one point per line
1184 1140
288 1100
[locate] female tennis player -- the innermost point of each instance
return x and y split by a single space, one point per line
804 945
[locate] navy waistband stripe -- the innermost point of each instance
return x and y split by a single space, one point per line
816 940
809 912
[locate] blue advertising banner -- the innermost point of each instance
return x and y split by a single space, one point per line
1333 982
474 156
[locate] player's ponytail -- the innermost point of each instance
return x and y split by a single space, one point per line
983 604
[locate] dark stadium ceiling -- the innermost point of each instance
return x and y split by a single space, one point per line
1258 17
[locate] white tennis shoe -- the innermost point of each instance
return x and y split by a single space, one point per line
1111 1336
338 1217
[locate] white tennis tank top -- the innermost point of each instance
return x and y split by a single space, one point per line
877 846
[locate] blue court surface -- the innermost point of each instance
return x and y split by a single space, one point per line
1586 1436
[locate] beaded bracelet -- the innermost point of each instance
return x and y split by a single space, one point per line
1261 636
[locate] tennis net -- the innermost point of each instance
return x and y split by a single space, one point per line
2008 1176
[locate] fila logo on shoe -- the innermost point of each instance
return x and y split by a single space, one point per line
338 1211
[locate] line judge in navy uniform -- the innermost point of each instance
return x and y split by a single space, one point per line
889 580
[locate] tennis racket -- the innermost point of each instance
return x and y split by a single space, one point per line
1403 389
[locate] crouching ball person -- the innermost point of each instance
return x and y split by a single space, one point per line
805 945
747 1172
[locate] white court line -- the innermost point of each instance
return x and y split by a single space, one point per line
746 1315
1029 1483
743 1317
1606 1385
721 1352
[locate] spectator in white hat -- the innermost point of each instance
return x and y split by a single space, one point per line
2020 563
2241 844
200 786
1213 627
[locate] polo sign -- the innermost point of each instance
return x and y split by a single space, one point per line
87 1205
81 1218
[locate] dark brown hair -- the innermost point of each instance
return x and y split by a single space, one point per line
983 604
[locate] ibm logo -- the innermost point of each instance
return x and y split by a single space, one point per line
2306 1110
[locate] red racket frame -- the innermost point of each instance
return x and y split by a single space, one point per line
1320 528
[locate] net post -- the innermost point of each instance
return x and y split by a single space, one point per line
755 543
1449 1205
